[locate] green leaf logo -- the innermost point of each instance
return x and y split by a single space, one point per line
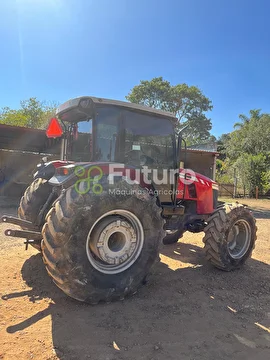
86 178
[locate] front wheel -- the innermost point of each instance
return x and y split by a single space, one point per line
230 237
101 247
172 236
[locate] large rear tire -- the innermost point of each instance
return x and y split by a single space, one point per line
101 247
32 201
230 237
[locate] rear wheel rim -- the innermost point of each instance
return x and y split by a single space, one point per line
239 239
115 241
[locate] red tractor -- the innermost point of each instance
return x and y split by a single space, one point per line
101 213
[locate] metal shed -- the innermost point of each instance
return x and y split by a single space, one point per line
202 159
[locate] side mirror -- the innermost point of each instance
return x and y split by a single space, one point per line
44 159
179 145
178 149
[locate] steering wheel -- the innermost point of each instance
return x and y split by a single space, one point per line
146 160
143 159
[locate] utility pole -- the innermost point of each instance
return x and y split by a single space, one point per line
234 183
257 192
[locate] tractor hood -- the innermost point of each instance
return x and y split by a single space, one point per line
204 180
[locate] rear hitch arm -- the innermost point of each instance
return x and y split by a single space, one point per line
32 236
16 221
26 234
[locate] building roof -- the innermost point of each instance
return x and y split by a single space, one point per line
210 147
202 151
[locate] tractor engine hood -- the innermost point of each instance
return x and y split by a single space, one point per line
197 178
206 180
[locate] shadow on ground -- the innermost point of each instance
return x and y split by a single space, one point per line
194 312
261 213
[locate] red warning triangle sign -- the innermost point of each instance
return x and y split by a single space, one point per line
54 129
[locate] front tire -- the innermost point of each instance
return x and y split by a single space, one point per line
172 237
230 237
101 247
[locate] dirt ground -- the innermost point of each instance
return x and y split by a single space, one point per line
188 310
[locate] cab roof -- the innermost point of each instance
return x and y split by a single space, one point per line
73 103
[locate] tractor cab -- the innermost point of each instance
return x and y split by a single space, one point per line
100 130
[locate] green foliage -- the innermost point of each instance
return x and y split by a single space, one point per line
13 117
224 172
252 138
266 180
245 120
252 171
247 149
258 173
32 113
188 103
222 144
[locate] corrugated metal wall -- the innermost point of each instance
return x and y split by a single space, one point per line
21 149
200 162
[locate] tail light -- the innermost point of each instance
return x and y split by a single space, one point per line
64 170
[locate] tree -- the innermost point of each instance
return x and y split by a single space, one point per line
247 150
32 113
252 138
245 120
188 104
224 172
222 144
12 117
252 171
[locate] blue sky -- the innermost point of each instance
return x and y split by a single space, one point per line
59 49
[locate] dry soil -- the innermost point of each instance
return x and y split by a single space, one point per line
187 310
